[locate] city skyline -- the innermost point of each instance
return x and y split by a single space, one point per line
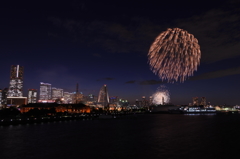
94 43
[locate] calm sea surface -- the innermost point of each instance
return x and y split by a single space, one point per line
141 136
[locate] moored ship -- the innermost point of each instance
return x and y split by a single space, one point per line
199 109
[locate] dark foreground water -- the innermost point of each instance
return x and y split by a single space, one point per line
141 136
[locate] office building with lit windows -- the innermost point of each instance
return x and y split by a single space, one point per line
32 96
57 93
45 93
16 81
15 90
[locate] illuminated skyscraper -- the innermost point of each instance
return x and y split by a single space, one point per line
103 97
32 96
57 93
45 91
16 81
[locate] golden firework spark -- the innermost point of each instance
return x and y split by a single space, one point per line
174 55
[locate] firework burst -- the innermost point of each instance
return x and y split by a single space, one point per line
174 55
161 96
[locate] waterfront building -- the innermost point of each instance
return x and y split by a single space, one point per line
78 97
4 97
138 103
15 90
32 96
113 99
16 101
45 91
68 97
203 101
123 102
103 97
58 108
144 102
16 81
91 98
195 101
150 100
57 93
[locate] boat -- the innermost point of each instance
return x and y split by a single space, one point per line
199 109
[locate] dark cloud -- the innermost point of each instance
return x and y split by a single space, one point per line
217 74
150 82
130 82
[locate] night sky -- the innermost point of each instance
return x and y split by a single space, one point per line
106 42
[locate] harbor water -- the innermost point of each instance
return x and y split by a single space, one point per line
139 136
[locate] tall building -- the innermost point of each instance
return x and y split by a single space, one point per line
4 96
150 100
57 93
16 81
78 96
138 103
203 101
68 97
103 97
15 90
195 101
32 96
145 102
45 91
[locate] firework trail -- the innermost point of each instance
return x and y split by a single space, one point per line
161 96
174 55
